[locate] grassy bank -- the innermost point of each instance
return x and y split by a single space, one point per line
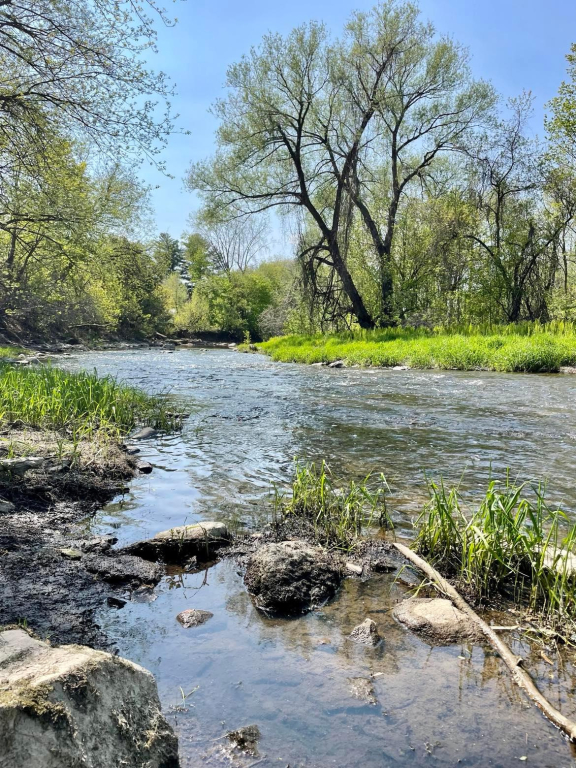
529 348
77 404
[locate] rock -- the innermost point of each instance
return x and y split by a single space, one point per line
292 577
144 467
176 544
246 739
363 688
131 450
6 507
115 602
436 618
366 633
354 569
337 364
98 543
71 554
124 568
67 706
400 368
383 564
560 561
143 434
22 465
193 617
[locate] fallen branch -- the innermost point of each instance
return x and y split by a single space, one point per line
521 677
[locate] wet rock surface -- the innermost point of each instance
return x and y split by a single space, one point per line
246 739
291 577
363 688
436 619
66 706
192 617
366 633
124 568
200 540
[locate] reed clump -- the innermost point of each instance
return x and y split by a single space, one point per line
513 546
337 512
78 404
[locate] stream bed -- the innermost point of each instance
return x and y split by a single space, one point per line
301 681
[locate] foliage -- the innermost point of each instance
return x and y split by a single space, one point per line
81 404
497 350
338 512
512 546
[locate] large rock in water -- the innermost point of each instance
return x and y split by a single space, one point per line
71 706
200 540
292 577
437 619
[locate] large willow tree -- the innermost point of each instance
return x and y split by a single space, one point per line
333 128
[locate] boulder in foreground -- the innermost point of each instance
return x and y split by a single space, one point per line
292 577
437 619
70 706
185 541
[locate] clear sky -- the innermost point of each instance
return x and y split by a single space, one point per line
517 44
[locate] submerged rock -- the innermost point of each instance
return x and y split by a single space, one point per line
246 739
363 688
124 568
7 507
292 577
67 706
143 434
193 617
366 633
200 540
436 618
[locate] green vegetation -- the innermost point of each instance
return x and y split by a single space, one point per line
78 404
338 512
511 546
7 352
528 348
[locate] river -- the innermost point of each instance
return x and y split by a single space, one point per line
295 678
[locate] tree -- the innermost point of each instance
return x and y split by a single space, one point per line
234 243
317 126
561 125
196 255
77 66
167 253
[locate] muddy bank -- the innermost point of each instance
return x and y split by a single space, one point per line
53 575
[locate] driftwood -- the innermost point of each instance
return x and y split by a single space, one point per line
513 662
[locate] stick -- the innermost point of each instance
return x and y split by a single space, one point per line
521 677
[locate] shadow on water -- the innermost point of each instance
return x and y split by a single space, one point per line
296 679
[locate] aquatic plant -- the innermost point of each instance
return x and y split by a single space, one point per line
337 511
529 348
513 545
80 404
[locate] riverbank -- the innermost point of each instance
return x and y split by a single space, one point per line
503 351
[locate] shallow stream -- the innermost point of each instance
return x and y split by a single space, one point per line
298 679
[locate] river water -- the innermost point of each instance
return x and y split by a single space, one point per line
295 679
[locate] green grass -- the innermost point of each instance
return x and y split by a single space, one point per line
337 511
513 546
79 404
9 352
528 348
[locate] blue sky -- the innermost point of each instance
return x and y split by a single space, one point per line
517 44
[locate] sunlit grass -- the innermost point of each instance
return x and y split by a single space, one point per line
79 404
513 545
529 348
10 352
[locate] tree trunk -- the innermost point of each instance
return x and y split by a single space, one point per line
358 307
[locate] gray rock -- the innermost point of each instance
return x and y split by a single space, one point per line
436 618
124 568
183 542
337 364
246 739
354 569
131 450
143 434
21 465
366 633
292 577
144 467
193 617
98 543
383 564
66 706
6 507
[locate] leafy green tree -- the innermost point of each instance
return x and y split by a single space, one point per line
167 253
196 252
